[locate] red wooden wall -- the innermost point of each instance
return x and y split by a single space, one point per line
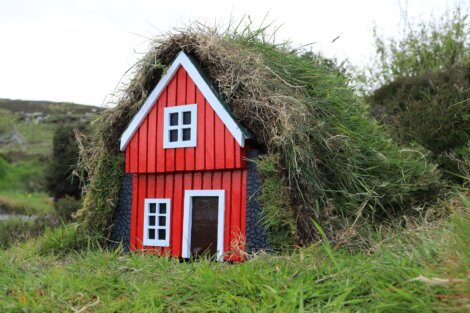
216 147
172 185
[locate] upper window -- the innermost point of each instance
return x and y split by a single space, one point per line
157 222
180 126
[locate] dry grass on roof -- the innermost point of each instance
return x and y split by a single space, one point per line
336 165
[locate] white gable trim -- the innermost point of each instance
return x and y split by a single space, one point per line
183 60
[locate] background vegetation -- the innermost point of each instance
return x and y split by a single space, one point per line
423 89
27 166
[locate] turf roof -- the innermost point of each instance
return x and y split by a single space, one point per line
335 163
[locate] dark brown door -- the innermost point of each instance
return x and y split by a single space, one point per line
204 226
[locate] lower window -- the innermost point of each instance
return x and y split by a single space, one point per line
157 222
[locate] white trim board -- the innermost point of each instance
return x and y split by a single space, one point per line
188 216
183 60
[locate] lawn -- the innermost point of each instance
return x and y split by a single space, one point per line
424 268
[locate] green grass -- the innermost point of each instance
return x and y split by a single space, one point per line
25 203
37 140
400 273
23 175
38 137
20 188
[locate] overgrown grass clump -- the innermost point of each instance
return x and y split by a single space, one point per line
337 164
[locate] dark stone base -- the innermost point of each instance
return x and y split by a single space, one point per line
256 237
122 216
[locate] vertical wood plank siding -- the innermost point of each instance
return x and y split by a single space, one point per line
216 148
172 186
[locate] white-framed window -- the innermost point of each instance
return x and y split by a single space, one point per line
157 222
180 126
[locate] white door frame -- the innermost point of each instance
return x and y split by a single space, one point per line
188 216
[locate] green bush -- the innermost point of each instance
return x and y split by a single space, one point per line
60 180
424 95
3 167
424 47
432 109
66 206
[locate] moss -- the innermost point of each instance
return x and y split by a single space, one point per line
276 212
102 196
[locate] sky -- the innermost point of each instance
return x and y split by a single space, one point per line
78 51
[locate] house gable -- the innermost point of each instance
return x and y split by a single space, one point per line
183 61
216 147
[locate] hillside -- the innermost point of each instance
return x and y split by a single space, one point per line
26 132
30 106
26 127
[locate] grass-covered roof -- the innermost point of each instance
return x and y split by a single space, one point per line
335 165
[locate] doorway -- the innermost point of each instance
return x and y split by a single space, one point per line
203 223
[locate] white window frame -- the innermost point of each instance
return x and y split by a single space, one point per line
193 126
188 217
156 242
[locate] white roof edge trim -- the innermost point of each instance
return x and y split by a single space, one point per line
182 60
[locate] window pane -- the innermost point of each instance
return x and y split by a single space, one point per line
187 118
162 221
153 208
152 220
173 135
186 134
151 233
161 234
173 119
162 208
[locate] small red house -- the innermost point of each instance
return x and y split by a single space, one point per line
187 157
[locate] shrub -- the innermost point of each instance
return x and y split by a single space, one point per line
427 46
60 180
66 206
425 92
3 167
